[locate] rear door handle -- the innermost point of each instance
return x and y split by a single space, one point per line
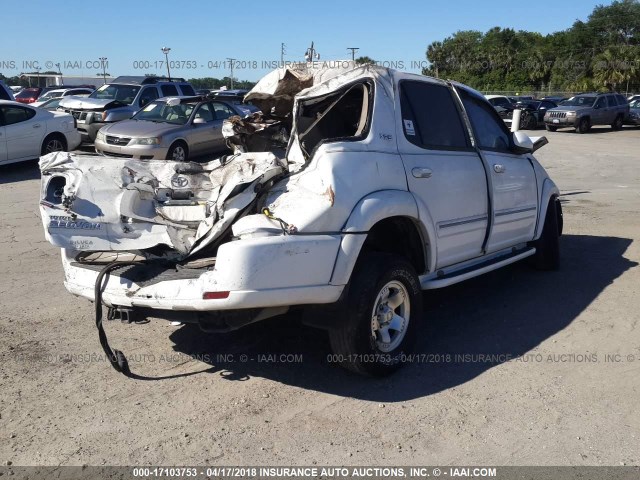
419 172
498 168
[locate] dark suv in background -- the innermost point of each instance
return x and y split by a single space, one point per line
587 109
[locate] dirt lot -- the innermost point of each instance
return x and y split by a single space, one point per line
562 403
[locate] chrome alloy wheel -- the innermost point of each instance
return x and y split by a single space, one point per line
390 316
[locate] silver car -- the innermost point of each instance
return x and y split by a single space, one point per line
172 128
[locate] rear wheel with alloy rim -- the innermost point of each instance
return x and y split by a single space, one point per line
53 143
382 315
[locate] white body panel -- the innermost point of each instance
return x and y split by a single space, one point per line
23 140
464 210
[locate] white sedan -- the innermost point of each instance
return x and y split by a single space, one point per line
26 132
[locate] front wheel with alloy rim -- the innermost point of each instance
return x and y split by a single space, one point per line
178 152
53 143
583 126
383 311
618 122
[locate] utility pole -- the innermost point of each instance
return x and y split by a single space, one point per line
353 52
231 60
60 71
282 53
311 54
38 71
103 61
166 51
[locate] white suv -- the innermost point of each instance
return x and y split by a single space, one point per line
391 183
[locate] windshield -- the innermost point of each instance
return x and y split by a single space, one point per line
579 102
122 93
50 95
161 112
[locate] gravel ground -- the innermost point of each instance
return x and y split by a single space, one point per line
565 401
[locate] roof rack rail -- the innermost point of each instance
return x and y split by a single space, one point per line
143 80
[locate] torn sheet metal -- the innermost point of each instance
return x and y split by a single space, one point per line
274 93
91 203
256 133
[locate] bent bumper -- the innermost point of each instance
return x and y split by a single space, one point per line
257 273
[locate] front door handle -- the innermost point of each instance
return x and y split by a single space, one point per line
498 168
36 125
421 172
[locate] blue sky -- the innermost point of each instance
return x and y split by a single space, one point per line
130 34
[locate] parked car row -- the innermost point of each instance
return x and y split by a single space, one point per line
27 132
581 111
174 128
132 117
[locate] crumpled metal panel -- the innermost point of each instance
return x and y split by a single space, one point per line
90 203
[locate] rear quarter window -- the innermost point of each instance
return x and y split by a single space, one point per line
169 90
430 116
187 90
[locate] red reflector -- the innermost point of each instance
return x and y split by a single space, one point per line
215 295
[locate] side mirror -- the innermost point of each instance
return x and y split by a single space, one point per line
199 121
522 143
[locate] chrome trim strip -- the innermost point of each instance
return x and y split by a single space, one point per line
456 223
517 210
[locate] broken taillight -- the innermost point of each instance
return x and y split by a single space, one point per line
215 295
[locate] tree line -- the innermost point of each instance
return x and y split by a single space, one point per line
601 53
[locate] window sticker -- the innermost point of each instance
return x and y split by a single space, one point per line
150 107
408 127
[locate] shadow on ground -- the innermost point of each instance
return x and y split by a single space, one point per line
18 172
507 312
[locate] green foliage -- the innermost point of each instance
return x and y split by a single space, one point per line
364 60
601 53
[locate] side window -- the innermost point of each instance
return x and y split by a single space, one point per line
601 102
430 117
148 95
547 105
621 100
13 114
205 112
611 100
222 111
187 89
169 91
489 129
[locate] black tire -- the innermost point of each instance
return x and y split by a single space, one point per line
54 142
547 256
618 123
179 152
551 128
358 343
583 126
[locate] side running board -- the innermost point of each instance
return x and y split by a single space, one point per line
428 282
